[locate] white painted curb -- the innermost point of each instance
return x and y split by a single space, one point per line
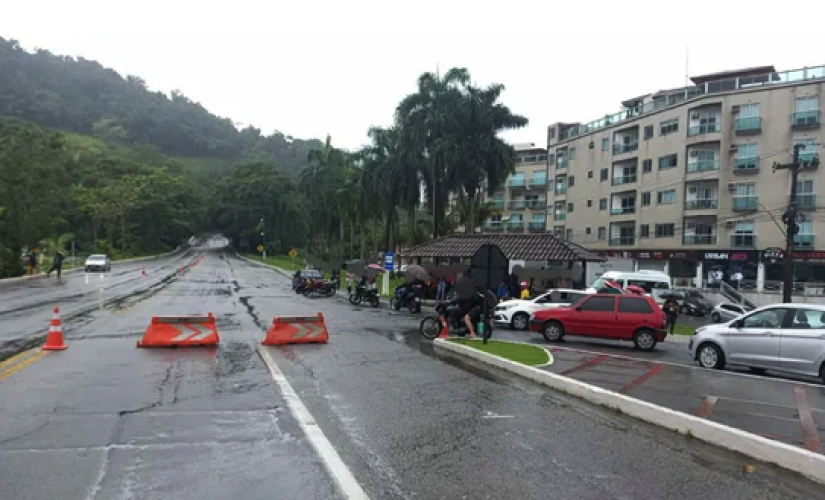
807 463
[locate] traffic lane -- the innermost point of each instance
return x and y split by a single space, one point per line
413 423
105 419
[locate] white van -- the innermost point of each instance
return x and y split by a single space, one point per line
653 282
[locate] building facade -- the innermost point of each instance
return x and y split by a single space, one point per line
521 206
682 180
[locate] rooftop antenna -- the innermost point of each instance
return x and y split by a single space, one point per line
687 65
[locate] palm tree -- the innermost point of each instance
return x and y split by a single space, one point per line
56 243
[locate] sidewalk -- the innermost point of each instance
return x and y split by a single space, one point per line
787 411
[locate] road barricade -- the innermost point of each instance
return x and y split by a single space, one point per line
181 331
297 330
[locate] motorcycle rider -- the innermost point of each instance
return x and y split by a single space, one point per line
470 309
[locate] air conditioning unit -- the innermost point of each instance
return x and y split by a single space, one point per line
734 109
730 223
734 147
690 225
731 186
692 190
694 116
591 145
694 154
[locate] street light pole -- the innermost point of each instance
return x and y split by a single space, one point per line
263 237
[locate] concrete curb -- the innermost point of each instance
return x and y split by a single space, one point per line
807 463
262 264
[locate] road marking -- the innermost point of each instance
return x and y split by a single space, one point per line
19 366
706 407
17 357
337 468
590 363
638 381
809 431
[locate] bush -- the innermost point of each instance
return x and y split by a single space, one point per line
11 265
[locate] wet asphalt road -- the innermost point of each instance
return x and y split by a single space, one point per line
105 420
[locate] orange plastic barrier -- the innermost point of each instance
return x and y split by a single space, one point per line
181 331
297 330
54 340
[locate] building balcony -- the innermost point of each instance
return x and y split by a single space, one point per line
624 179
515 225
622 210
493 226
802 120
560 217
620 149
748 126
536 226
744 203
622 241
539 204
518 182
497 203
746 166
516 204
707 128
538 182
701 204
806 201
809 160
804 241
702 166
743 241
699 239
560 190
561 163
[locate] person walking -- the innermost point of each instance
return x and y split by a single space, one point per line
32 263
57 264
671 309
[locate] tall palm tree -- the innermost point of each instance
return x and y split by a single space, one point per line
56 243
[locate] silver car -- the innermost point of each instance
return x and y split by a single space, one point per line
754 340
98 262
726 312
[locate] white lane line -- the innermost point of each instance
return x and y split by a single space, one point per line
337 468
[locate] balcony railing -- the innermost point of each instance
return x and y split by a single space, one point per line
804 240
746 166
743 241
536 204
517 182
622 210
497 203
515 225
561 189
745 202
805 119
701 204
624 179
750 125
535 226
516 204
623 240
808 159
702 166
493 226
806 201
699 239
559 216
538 182
620 149
561 163
707 128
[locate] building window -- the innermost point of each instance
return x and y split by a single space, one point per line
603 204
669 126
646 199
572 154
647 166
590 174
644 231
648 132
743 235
589 203
666 197
667 230
602 235
604 174
569 207
606 144
807 104
571 181
569 236
587 230
669 161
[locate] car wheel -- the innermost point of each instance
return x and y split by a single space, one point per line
552 331
710 356
716 317
645 340
520 321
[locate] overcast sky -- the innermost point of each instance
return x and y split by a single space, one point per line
314 67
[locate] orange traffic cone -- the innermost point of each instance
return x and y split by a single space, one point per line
54 340
445 331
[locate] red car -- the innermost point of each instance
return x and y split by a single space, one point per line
606 316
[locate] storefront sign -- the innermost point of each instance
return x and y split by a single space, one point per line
728 255
650 254
775 255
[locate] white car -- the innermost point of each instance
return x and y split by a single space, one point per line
98 262
516 313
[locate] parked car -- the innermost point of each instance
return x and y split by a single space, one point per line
98 263
636 318
727 311
299 277
517 313
781 337
695 304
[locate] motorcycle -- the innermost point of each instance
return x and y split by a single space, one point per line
363 294
431 325
408 296
321 287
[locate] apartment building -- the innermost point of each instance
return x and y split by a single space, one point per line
521 205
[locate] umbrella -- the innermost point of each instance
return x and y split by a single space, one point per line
670 295
376 267
465 287
415 272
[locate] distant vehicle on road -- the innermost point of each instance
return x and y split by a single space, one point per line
695 304
653 282
301 276
786 338
727 311
616 317
98 263
516 313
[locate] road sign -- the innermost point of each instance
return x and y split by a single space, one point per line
293 253
389 261
260 248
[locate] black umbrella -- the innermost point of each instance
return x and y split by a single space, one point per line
671 295
465 287
415 272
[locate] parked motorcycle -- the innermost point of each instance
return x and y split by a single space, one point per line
364 294
431 325
409 296
320 287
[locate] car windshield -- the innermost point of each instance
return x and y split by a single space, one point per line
599 283
695 295
97 257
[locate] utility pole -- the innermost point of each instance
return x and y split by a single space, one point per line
789 218
263 237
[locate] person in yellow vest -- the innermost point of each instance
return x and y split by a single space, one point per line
525 293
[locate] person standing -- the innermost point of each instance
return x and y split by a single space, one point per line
32 263
57 264
671 309
441 291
